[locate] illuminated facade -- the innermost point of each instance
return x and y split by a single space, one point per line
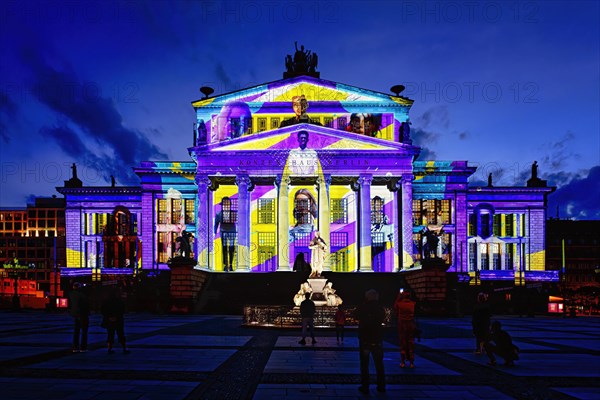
274 163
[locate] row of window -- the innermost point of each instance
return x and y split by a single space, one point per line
431 212
31 214
119 223
175 211
501 225
491 255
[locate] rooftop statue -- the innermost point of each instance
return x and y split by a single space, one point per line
304 62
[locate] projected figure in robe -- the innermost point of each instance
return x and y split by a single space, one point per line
226 220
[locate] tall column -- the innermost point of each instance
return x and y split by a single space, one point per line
202 224
366 263
325 217
243 228
407 221
283 223
394 188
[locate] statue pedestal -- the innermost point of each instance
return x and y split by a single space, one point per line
317 285
185 284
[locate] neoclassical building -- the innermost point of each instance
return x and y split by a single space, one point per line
272 164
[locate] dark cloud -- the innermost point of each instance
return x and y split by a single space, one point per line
437 116
579 198
95 116
424 139
8 110
72 145
558 153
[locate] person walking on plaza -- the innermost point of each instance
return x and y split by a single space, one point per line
502 346
307 312
113 310
370 316
405 309
80 311
481 322
340 321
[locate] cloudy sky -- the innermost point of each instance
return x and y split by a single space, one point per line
109 84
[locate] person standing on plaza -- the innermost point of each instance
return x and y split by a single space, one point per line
340 322
80 311
307 312
370 316
482 315
404 307
113 311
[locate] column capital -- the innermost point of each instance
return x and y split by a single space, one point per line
282 178
203 180
244 182
365 180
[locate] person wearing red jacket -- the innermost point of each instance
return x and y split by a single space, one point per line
405 309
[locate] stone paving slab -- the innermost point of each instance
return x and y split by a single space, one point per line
573 365
155 359
12 352
583 393
583 344
311 361
194 340
326 342
455 344
407 392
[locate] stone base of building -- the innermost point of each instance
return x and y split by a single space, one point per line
186 284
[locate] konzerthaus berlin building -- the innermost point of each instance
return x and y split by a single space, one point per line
272 164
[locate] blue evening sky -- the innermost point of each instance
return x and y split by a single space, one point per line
109 84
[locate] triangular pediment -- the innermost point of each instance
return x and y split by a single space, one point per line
314 90
320 138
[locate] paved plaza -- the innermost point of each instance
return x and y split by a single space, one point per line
213 357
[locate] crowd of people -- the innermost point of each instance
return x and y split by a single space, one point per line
490 338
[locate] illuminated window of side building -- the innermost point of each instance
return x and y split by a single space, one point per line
274 123
472 256
484 257
163 216
190 205
262 124
176 211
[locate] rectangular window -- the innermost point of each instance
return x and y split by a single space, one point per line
377 210
342 123
302 211
262 124
509 256
472 256
190 205
163 238
496 263
339 260
266 211
230 211
176 210
509 226
339 211
472 225
496 225
163 217
484 229
328 122
274 123
485 261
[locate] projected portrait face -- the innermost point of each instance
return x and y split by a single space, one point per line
299 105
231 122
305 207
302 139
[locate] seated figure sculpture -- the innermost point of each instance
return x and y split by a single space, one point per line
300 296
333 299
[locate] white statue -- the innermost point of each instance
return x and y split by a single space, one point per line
319 249
332 299
299 297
